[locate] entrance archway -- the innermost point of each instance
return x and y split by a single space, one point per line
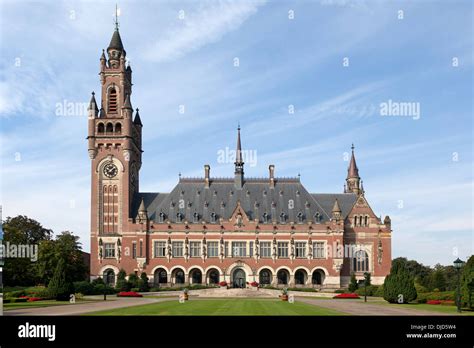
318 277
238 278
265 277
196 276
282 277
160 277
109 277
213 276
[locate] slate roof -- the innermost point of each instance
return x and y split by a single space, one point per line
116 41
190 196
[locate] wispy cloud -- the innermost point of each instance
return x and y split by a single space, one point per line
207 24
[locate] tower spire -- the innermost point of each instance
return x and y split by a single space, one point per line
353 179
239 163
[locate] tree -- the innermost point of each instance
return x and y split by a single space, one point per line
367 279
399 285
22 230
143 282
59 288
467 284
133 280
122 284
437 278
353 286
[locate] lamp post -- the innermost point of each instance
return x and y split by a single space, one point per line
458 265
366 280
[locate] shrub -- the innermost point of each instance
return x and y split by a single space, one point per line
122 284
467 284
340 291
399 285
84 287
371 290
15 294
303 289
379 291
96 281
353 284
133 280
420 288
143 283
153 289
134 289
100 288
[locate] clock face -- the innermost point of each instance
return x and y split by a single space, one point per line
110 170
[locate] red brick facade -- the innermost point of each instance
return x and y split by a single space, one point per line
210 230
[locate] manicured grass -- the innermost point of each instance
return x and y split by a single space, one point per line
222 307
428 307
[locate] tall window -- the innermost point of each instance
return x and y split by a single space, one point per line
361 261
226 249
195 249
300 248
113 100
212 249
239 249
319 251
109 250
141 248
282 249
160 249
177 249
265 249
251 249
134 250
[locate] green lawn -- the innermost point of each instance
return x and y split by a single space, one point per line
428 307
222 307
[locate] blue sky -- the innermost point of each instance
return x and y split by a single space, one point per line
418 171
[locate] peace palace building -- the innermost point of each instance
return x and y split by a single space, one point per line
209 230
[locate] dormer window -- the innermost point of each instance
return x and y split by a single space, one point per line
195 217
161 217
213 218
265 218
317 217
300 217
282 218
179 217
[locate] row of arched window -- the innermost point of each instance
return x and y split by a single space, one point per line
361 220
109 128
214 218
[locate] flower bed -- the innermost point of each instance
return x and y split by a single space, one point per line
347 295
129 294
254 284
223 283
34 299
441 302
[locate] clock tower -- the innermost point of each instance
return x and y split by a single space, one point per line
115 148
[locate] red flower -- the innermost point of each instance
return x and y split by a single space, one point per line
129 294
348 295
33 299
433 302
254 284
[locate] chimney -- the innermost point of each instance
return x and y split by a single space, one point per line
207 169
271 169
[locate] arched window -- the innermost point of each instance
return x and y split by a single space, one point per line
100 128
109 277
265 277
109 128
196 276
112 100
160 277
195 217
213 276
179 277
361 261
300 277
265 218
282 277
118 128
318 277
366 221
179 217
317 217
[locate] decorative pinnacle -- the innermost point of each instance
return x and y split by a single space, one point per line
116 17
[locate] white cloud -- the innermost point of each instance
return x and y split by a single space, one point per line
208 24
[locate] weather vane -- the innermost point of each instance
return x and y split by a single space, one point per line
117 13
